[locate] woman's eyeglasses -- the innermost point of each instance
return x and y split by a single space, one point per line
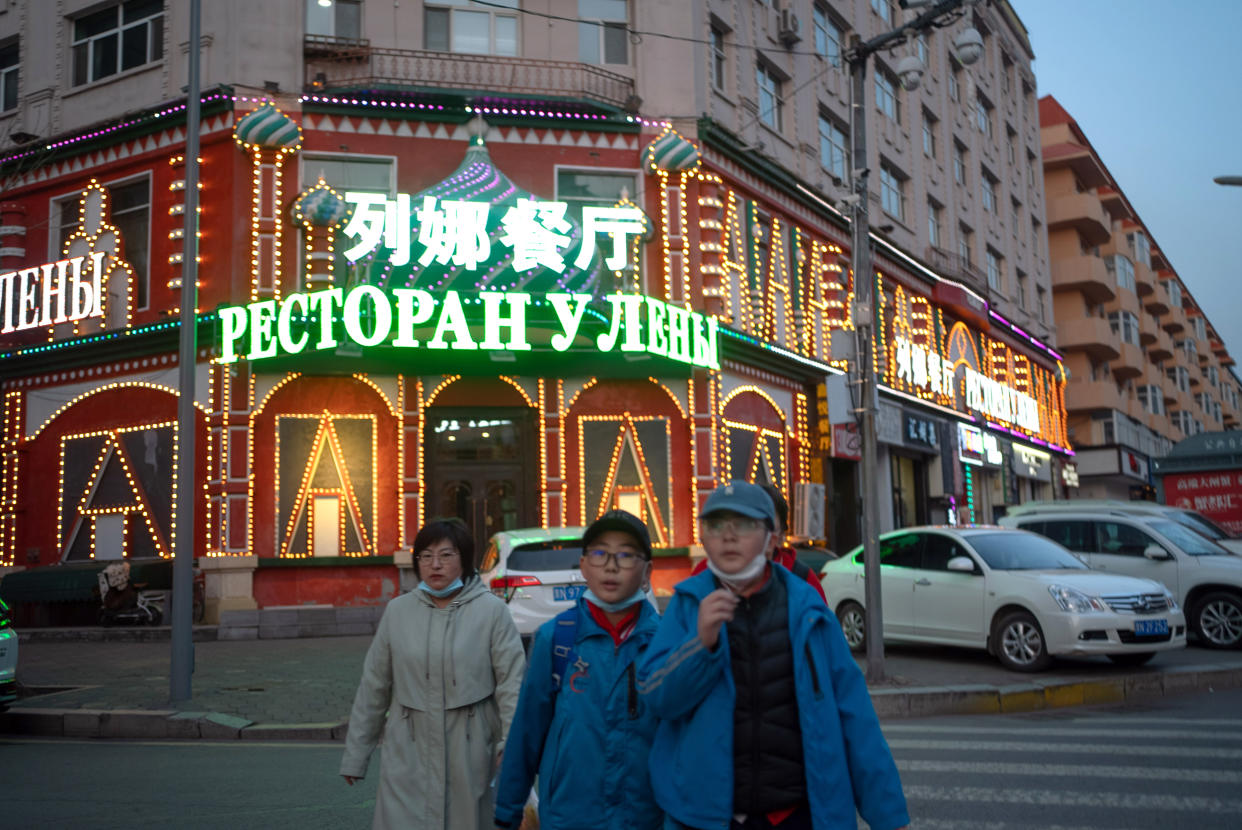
426 558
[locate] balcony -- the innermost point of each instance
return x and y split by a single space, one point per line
1090 395
1092 335
1149 332
1162 347
333 63
1086 274
1130 363
958 268
1083 212
1144 280
1174 322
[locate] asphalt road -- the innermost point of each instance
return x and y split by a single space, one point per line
1170 765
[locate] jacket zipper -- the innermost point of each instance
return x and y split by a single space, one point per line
810 661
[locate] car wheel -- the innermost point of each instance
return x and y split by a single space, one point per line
1131 659
1020 643
853 625
1218 620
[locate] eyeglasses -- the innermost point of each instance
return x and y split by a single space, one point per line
427 558
738 525
624 558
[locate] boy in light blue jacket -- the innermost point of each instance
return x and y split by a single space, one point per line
765 721
580 723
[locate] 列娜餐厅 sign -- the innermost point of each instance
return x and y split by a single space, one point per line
369 316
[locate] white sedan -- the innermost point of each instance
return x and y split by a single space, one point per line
1021 596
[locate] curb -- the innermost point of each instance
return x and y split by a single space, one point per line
918 702
911 702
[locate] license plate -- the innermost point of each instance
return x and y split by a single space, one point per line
1150 628
567 592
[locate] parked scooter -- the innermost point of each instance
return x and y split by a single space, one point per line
121 603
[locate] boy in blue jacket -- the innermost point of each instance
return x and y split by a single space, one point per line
765 720
580 723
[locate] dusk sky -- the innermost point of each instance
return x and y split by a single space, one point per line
1155 87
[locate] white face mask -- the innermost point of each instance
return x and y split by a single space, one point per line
747 574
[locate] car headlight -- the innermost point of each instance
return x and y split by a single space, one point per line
1075 601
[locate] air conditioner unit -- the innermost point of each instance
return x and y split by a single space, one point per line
790 29
808 511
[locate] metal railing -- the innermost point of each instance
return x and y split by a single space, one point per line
333 63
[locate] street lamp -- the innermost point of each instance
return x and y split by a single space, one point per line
1236 181
968 46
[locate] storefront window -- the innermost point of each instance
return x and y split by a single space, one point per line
909 491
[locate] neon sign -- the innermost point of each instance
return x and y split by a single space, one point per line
923 368
454 232
977 446
53 293
367 316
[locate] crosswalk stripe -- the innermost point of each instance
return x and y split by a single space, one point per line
1200 776
957 824
1189 723
1067 798
1026 748
1179 735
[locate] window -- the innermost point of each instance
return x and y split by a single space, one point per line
959 163
933 223
929 134
996 276
1122 269
1020 279
965 243
1036 234
770 104
983 116
1072 535
886 100
1041 303
892 192
1011 144
938 550
920 49
1180 377
904 551
833 147
579 188
1152 399
10 54
1213 375
1030 168
1006 74
1174 290
955 92
373 174
883 9
1200 327
130 211
1191 350
1015 216
828 35
718 58
118 38
1125 325
464 27
1183 421
1141 246
988 185
342 18
1119 539
607 40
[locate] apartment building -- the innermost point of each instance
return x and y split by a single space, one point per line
1146 366
628 254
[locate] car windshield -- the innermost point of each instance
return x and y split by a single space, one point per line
1019 551
1188 540
1202 525
552 555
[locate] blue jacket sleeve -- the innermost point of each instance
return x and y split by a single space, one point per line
678 671
524 747
873 773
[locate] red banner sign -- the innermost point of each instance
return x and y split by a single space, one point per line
1217 495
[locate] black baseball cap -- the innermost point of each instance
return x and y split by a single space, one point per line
623 521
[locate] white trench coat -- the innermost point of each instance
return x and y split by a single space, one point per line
448 679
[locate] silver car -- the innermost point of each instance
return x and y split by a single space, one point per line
535 571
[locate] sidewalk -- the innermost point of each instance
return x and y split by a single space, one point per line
302 689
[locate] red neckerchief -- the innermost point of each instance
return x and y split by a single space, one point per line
623 628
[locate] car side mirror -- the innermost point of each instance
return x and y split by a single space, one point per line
1154 551
962 564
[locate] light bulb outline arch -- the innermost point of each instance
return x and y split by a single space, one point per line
108 387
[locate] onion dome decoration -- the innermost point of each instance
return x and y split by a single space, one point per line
321 207
268 128
671 152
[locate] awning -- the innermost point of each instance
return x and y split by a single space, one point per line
79 581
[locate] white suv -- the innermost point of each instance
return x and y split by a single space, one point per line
1205 578
1195 521
535 571
8 658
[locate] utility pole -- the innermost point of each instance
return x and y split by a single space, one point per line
182 662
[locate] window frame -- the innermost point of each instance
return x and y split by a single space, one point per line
10 75
450 9
929 134
834 130
764 71
887 94
601 26
84 48
824 24
995 265
719 59
892 182
934 227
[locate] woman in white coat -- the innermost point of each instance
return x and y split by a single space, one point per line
446 666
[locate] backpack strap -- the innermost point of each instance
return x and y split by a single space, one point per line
801 570
563 636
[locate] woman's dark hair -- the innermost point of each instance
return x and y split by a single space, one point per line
454 530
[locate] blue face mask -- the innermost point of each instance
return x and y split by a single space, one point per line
614 607
452 588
